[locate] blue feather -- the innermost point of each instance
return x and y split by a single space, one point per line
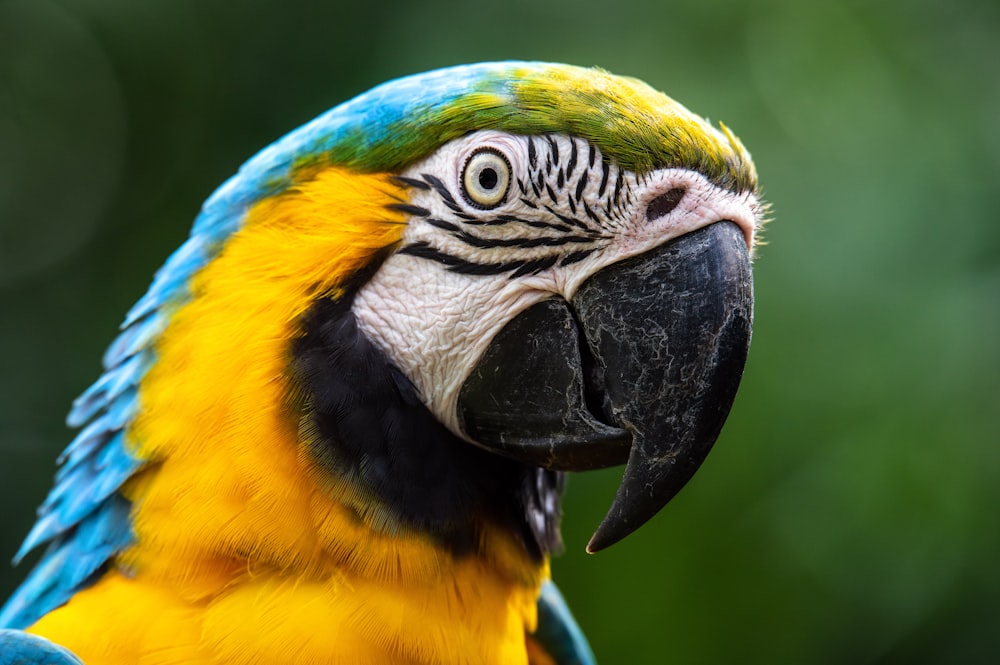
70 563
123 408
134 339
558 631
85 520
84 444
112 383
86 406
20 648
170 283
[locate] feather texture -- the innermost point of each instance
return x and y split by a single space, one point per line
187 492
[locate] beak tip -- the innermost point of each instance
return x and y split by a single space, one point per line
615 526
595 545
596 542
608 535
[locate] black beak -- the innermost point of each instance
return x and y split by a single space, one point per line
640 368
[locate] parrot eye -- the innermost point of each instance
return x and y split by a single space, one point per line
486 178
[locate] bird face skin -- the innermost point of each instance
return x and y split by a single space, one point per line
560 214
336 427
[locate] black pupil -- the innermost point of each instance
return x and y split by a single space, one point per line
488 178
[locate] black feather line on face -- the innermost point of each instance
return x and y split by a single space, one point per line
410 182
605 172
571 164
554 148
409 209
582 184
522 243
546 175
501 220
364 424
551 193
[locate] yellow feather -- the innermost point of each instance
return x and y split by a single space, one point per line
246 551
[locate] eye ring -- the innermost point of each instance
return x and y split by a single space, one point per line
486 178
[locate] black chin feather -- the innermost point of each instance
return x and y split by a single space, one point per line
367 426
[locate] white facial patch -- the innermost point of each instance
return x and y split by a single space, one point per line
480 256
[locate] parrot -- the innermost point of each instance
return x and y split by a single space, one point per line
336 428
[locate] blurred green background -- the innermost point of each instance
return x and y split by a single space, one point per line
849 513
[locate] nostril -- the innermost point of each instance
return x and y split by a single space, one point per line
664 203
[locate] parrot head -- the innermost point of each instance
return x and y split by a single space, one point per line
572 289
404 321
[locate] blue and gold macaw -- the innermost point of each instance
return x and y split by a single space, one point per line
335 428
